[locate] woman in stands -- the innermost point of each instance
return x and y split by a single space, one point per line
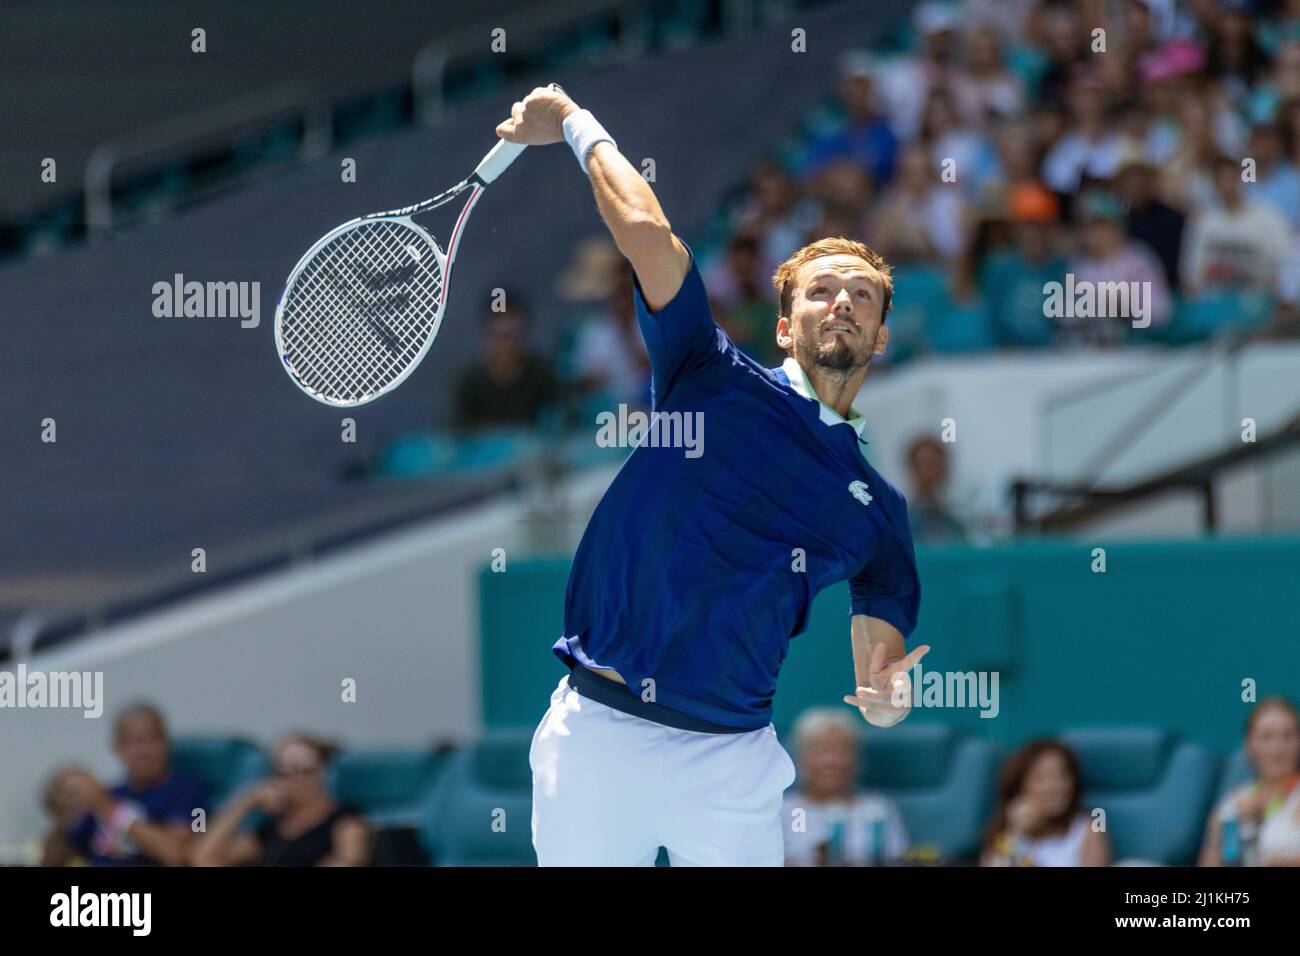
1258 823
304 825
827 819
1040 819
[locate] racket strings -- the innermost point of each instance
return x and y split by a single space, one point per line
361 310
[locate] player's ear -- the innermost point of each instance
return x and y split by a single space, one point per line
882 338
784 334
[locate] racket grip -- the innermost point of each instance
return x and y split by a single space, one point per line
495 162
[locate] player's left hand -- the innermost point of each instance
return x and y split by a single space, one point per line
889 698
538 118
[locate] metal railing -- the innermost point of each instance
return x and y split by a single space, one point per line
1088 496
193 134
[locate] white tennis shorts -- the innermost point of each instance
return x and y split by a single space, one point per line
610 788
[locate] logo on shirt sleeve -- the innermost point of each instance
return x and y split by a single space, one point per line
859 490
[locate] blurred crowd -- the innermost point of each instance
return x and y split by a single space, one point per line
158 814
1039 815
1008 145
992 148
152 814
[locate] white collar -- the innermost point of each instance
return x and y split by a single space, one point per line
799 382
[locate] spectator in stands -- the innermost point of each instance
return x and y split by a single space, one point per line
1039 819
861 134
610 358
989 92
1090 148
1139 27
1280 86
1277 183
1258 822
936 66
1013 282
1149 220
511 385
1207 131
829 820
1018 158
919 217
305 826
1234 57
1110 256
931 520
742 302
1241 243
144 820
1065 48
775 210
954 148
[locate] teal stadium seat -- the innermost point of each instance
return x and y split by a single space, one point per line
480 813
1236 771
391 787
920 294
224 764
960 326
943 782
1155 789
1216 312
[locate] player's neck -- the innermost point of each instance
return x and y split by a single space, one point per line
835 388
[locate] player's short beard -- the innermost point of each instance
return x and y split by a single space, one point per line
836 356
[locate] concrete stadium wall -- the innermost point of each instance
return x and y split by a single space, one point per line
399 616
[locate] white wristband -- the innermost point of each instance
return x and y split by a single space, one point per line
582 131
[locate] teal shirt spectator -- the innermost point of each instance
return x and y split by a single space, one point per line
1013 287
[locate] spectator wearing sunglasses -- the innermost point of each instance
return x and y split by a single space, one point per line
304 825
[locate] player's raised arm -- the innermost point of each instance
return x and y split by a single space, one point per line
625 200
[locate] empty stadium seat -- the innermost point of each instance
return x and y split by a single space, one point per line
391 787
224 764
942 781
1155 789
480 813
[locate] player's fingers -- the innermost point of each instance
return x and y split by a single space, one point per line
870 697
871 705
506 130
912 659
901 666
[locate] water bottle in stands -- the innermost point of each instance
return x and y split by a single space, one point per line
878 840
1248 839
1229 838
835 842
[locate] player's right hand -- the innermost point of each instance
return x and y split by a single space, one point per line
538 118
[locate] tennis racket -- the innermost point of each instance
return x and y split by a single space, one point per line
362 307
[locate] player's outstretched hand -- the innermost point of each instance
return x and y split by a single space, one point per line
537 119
889 698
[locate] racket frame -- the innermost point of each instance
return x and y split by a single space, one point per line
445 261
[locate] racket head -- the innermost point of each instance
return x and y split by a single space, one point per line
361 309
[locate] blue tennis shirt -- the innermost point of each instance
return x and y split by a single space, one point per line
700 564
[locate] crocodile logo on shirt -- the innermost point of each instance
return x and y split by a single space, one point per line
859 490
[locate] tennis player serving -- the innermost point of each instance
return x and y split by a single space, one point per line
696 571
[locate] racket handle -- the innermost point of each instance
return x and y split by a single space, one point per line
503 154
495 162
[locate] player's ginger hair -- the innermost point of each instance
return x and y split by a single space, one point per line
788 272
